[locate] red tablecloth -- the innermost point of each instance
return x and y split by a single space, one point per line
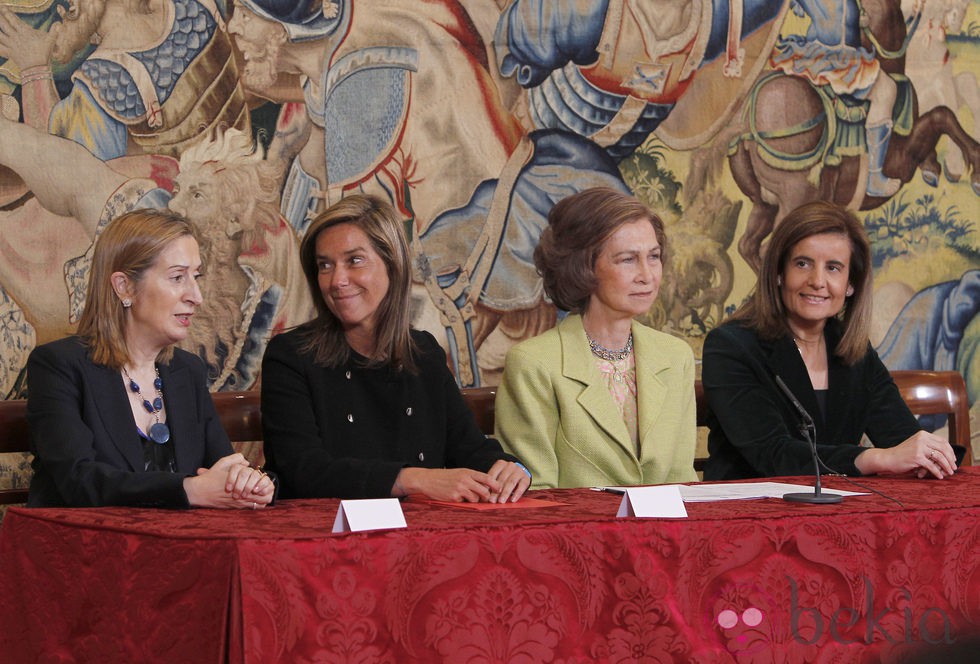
742 581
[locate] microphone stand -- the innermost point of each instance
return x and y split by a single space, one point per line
808 430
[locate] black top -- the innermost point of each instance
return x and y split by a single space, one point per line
158 456
754 427
347 432
821 396
87 451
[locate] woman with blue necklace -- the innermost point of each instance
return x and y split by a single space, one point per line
118 415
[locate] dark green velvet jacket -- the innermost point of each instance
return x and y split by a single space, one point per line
754 428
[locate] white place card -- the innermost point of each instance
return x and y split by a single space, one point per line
653 501
371 514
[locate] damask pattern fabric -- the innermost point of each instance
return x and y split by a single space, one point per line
865 581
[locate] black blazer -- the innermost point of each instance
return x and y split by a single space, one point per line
347 432
87 451
754 428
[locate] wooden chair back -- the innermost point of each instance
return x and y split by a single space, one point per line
240 414
15 437
939 393
481 401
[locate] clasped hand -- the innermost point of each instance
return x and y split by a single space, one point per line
231 483
505 481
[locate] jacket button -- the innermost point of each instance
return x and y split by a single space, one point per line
350 417
348 375
421 457
408 411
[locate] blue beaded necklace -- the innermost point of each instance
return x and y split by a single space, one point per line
159 432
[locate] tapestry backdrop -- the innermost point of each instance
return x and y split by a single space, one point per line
474 118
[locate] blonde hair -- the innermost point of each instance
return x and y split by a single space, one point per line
130 244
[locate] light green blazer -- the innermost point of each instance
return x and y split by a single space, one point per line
555 413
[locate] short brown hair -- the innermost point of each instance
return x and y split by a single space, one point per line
578 227
325 334
130 244
765 312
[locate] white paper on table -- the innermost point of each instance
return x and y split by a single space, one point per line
370 514
703 493
653 501
706 493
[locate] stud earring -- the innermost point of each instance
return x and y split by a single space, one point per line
850 291
127 303
779 281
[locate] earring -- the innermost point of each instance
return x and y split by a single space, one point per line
850 291
127 303
779 280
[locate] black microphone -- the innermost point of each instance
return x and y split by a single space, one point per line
807 428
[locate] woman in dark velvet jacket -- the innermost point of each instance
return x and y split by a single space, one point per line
807 323
118 415
355 404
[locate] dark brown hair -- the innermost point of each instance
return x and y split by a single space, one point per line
130 244
578 227
324 335
765 312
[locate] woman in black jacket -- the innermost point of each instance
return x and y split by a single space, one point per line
807 323
118 415
355 404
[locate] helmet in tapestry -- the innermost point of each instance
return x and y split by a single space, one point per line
302 19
